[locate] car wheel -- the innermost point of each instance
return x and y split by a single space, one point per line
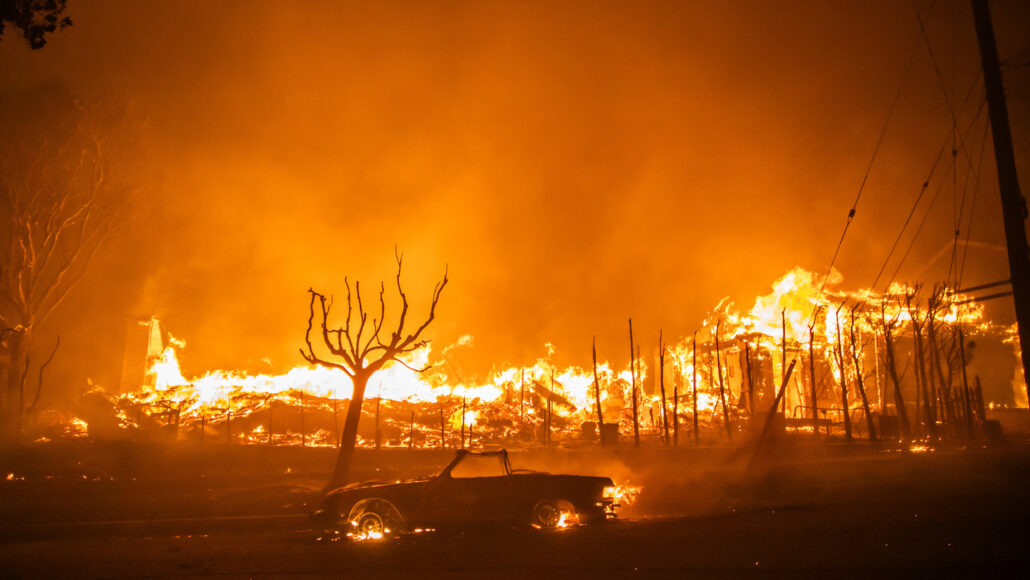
375 518
552 514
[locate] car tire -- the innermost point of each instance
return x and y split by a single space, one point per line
550 514
375 517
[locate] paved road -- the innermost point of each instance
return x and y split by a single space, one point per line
980 535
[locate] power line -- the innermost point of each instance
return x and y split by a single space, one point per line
872 160
972 206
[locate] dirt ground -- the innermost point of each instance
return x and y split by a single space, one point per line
802 510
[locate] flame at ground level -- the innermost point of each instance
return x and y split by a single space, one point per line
838 338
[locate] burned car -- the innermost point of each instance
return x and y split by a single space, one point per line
475 487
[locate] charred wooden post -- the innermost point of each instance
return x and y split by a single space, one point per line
633 387
597 397
661 383
379 402
443 428
676 410
203 426
722 388
783 354
303 428
522 398
464 406
843 380
228 425
411 431
693 398
981 409
856 358
814 401
770 417
549 409
749 385
270 405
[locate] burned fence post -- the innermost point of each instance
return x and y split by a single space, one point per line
522 398
549 410
661 383
694 387
676 410
639 395
464 407
597 397
633 386
750 385
981 409
303 427
783 354
379 402
443 428
772 414
811 379
722 388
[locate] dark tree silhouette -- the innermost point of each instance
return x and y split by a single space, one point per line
361 350
35 18
65 186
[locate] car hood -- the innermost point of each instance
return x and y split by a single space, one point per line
375 484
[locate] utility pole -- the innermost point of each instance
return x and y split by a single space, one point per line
1013 206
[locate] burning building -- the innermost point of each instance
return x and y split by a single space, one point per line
849 363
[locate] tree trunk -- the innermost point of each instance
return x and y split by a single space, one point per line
341 474
11 401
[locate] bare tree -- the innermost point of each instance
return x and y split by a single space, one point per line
890 363
63 192
361 350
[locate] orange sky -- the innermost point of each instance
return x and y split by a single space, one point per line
573 163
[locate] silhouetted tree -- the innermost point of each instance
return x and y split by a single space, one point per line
35 18
361 351
63 191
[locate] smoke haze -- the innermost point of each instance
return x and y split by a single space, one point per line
572 164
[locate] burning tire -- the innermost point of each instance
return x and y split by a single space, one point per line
550 514
374 518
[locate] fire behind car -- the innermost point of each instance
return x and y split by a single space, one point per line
473 488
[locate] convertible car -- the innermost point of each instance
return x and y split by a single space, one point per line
473 488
